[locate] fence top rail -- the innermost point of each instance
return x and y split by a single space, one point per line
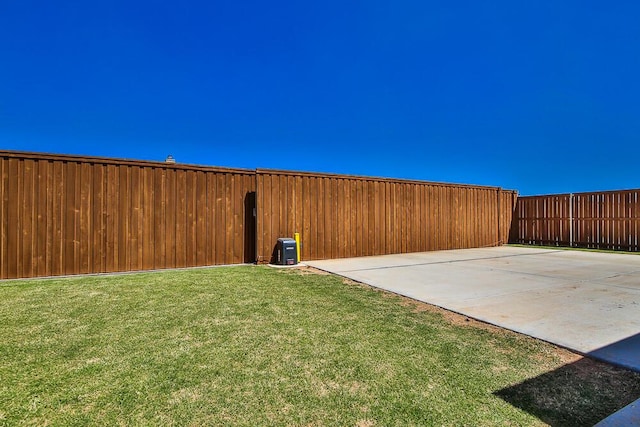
264 171
204 168
584 193
120 162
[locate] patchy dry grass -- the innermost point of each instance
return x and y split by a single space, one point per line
257 346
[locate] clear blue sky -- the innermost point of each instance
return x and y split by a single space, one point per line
537 96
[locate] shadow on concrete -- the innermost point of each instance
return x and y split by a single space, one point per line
624 353
577 394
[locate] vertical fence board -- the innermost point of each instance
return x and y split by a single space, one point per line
97 214
13 219
156 220
4 221
135 226
39 213
264 212
212 196
111 227
86 244
70 220
27 207
57 214
124 218
220 219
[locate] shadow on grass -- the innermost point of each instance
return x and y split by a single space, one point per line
577 394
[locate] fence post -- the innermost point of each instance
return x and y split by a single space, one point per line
571 220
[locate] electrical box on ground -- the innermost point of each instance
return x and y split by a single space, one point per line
286 253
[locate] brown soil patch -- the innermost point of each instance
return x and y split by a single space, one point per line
305 269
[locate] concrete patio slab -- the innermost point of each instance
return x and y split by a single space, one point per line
628 416
586 301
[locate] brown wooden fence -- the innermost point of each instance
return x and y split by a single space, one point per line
605 220
73 215
341 216
70 215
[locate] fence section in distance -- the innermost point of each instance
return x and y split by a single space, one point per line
599 220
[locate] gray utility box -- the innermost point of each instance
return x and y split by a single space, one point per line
286 253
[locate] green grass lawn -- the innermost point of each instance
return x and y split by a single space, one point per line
251 345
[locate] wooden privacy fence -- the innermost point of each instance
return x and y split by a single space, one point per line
72 215
604 220
341 216
64 215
